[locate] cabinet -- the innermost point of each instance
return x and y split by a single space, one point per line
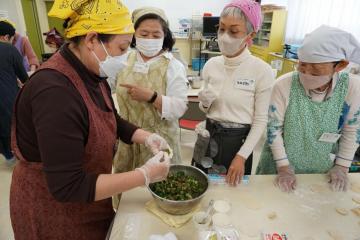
270 37
283 65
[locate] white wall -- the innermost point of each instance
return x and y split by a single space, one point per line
277 2
15 14
178 9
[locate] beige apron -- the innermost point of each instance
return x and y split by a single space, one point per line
144 114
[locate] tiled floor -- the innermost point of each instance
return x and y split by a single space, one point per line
187 141
5 179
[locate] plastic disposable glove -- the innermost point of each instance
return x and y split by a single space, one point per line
200 129
338 178
156 168
157 143
207 97
286 179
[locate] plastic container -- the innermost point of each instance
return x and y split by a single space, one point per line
196 65
221 220
290 51
195 82
222 206
198 220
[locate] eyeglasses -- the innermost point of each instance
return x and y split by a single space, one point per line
316 69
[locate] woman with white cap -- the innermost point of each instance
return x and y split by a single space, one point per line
151 90
314 113
237 92
65 130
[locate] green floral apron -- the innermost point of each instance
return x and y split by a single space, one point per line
305 122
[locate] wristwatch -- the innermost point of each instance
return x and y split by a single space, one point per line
153 98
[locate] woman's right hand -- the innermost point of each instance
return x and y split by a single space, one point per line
156 168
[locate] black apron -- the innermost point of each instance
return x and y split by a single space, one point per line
223 145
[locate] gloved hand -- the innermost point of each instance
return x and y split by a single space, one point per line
286 179
338 178
207 97
157 143
156 168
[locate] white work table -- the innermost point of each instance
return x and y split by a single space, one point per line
304 214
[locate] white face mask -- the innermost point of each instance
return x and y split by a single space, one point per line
111 66
311 82
149 47
229 46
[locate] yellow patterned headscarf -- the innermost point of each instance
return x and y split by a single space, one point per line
101 16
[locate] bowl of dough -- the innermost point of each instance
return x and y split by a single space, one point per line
182 191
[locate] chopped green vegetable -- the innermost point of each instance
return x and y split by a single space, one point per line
169 151
178 187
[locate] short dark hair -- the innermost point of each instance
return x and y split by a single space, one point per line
169 40
6 29
105 38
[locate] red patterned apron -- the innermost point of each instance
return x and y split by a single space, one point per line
35 214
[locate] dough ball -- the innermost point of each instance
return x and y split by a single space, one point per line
335 235
356 200
342 211
222 206
356 211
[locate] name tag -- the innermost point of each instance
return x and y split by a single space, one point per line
141 68
244 83
332 157
330 137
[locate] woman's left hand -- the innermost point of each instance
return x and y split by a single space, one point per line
156 143
236 170
138 93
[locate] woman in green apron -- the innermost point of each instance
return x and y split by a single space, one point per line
314 113
151 90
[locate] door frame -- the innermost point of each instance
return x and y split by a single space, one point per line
33 26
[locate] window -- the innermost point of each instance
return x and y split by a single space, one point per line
304 16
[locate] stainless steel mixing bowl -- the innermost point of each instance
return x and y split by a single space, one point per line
182 207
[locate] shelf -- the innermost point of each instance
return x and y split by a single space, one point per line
265 30
181 38
210 52
267 21
208 40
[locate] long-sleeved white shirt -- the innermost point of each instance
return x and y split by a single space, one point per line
350 128
243 86
174 103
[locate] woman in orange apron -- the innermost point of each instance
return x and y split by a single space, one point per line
65 129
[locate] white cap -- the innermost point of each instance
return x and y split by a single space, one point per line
329 44
138 13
